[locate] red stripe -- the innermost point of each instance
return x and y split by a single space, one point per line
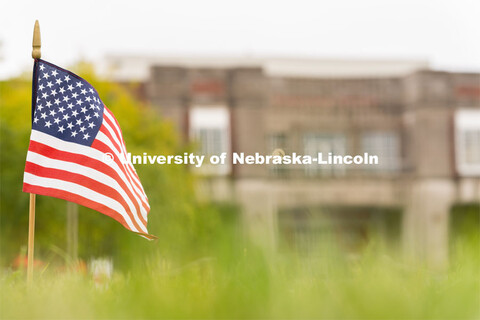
102 147
118 134
73 197
101 166
82 180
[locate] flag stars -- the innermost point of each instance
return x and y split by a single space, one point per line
74 95
74 113
83 91
79 84
66 98
82 129
69 125
79 122
44 95
42 67
74 134
46 75
70 87
39 107
44 115
79 101
83 110
66 117
86 136
88 117
61 109
62 90
61 129
96 115
57 101
49 104
66 79
70 106
41 87
48 124
59 81
49 84
52 113
35 120
57 120
88 99
91 125
53 92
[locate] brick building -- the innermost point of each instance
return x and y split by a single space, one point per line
424 125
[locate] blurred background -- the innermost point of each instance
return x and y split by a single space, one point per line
398 79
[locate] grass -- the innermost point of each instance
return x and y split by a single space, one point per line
252 284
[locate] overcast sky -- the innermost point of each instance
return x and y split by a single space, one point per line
446 33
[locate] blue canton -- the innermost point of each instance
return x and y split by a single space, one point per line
66 107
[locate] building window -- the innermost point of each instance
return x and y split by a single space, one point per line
385 145
325 143
210 130
467 142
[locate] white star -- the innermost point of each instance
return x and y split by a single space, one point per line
79 101
66 116
88 117
49 84
61 109
70 87
41 87
52 113
44 95
70 125
74 95
74 133
79 122
86 136
44 115
35 120
82 128
49 104
79 84
74 113
54 73
84 109
38 99
83 91
96 115
92 106
57 101
88 99
57 120
39 107
91 90
61 129
46 75
53 93
58 81
91 125
67 78
66 98
42 67
48 124
70 106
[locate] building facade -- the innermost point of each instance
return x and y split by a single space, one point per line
424 126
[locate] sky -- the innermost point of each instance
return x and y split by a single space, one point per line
445 33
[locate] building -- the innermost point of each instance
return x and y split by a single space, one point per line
424 125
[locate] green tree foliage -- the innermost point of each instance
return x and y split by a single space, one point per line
185 227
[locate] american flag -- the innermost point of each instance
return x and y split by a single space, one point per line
77 152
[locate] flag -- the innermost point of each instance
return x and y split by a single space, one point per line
77 152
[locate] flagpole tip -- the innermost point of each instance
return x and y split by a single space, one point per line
37 42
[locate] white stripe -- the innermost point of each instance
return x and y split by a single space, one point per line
73 167
81 150
103 138
119 136
80 190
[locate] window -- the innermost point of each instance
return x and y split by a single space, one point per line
315 143
210 129
467 142
385 145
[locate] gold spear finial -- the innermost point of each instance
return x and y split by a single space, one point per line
37 42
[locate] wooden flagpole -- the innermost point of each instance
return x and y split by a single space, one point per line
36 54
